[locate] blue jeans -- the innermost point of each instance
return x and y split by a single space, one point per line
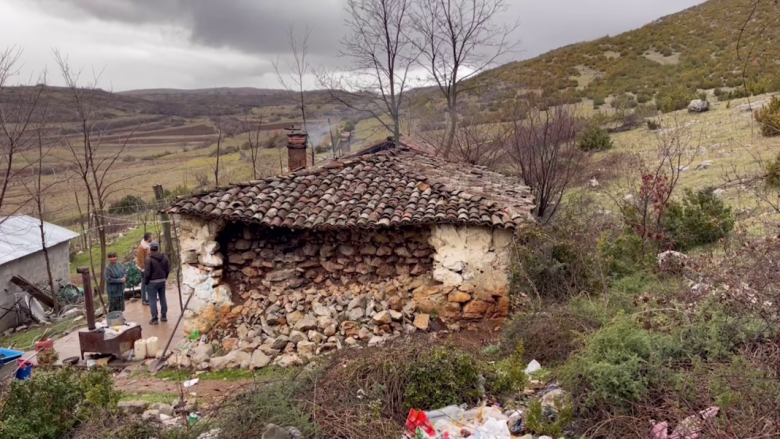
156 291
144 295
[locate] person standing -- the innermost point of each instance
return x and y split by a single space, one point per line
156 272
140 261
115 284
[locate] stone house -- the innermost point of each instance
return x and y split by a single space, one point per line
374 238
21 254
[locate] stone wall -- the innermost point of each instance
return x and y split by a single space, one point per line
251 274
287 295
471 273
266 267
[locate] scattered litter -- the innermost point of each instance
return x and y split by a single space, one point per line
533 366
689 428
493 429
418 425
190 383
517 427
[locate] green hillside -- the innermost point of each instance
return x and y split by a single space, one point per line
693 49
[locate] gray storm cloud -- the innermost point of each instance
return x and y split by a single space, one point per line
258 28
249 26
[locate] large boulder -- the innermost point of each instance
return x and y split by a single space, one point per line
698 106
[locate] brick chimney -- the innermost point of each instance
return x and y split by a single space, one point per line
296 151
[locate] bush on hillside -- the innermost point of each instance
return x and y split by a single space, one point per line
701 218
674 99
653 125
52 403
768 118
619 365
772 173
594 138
598 101
557 261
127 205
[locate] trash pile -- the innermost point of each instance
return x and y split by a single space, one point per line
454 422
484 421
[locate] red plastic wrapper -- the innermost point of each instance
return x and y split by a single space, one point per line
417 419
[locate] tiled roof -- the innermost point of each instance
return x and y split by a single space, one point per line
385 185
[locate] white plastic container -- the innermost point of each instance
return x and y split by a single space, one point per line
151 347
139 348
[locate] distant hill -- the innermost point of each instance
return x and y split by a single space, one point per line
184 103
219 90
693 49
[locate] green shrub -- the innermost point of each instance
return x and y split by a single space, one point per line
549 422
653 125
553 262
674 99
701 218
274 403
441 378
127 205
594 138
625 254
53 403
769 118
507 376
772 173
598 101
619 365
132 275
716 333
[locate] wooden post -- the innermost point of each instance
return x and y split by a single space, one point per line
166 223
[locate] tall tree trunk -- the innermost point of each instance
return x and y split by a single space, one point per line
48 263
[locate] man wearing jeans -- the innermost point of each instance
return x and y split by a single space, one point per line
156 270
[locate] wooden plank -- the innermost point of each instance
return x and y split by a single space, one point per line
34 291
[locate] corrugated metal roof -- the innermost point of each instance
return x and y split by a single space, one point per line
20 235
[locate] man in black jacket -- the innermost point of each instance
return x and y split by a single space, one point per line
156 270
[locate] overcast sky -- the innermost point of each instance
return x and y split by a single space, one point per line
231 43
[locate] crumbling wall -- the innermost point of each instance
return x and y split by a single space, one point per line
202 273
288 295
472 264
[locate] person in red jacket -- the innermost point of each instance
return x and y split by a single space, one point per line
156 271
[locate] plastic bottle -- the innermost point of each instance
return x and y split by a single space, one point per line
151 347
139 348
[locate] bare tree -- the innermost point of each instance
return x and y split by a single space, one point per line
92 160
382 56
297 70
651 182
474 144
543 151
458 39
45 138
18 108
253 129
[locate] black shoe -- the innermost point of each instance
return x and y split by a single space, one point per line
164 319
153 322
145 302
